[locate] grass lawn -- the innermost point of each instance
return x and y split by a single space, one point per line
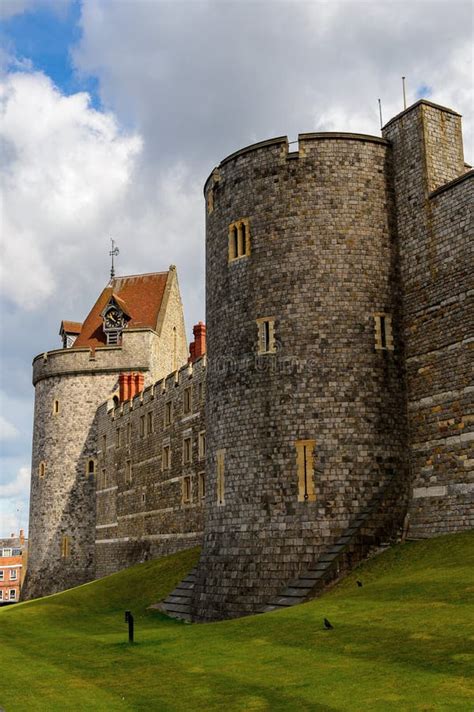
402 642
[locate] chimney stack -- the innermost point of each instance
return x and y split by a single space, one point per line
130 385
22 537
197 348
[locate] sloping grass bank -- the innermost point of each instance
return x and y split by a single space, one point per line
404 641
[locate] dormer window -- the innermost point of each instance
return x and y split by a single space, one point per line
115 320
69 332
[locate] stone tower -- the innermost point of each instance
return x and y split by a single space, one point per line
137 326
305 397
434 192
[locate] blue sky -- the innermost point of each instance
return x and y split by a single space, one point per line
45 35
115 112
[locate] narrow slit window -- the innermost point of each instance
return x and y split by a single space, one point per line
65 547
383 332
220 460
56 407
266 335
166 457
104 479
142 426
149 423
104 445
202 445
305 468
186 489
117 437
128 471
168 413
187 401
90 468
202 485
129 433
187 451
42 469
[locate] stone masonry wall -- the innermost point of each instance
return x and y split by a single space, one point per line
437 277
62 501
141 512
323 261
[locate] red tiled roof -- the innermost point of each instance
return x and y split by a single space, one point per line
71 327
141 294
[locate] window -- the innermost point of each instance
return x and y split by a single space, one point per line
187 451
166 459
239 239
202 485
13 574
200 392
383 332
266 335
113 338
12 594
187 400
117 438
104 445
42 469
168 413
65 547
7 552
305 468
129 433
220 459
1 595
56 407
143 497
186 489
142 426
202 445
149 423
104 479
1 575
128 471
90 468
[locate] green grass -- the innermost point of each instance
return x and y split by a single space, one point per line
402 642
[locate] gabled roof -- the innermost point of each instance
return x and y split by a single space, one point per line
70 327
141 296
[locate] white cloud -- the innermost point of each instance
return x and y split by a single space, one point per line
18 487
66 169
7 430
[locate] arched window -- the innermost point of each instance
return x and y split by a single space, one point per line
42 469
90 468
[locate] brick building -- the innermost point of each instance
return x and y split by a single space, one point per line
335 400
13 558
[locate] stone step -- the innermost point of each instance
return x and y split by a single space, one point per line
296 592
177 608
185 585
285 601
302 583
177 599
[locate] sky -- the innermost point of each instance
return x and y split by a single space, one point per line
114 112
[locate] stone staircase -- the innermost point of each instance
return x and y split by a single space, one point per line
178 603
374 529
367 534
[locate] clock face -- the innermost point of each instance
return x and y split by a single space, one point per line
114 319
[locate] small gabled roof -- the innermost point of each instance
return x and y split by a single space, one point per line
139 295
70 327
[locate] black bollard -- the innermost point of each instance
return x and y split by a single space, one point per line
129 620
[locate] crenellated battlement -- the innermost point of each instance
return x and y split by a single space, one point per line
135 353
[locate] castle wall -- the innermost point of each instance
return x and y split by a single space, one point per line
323 261
437 276
141 507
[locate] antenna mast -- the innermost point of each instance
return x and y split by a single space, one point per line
113 253
380 114
404 93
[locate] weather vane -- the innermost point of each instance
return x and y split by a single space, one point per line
113 253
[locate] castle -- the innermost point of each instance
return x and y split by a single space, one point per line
335 400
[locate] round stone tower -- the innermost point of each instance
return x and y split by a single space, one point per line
305 402
70 384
